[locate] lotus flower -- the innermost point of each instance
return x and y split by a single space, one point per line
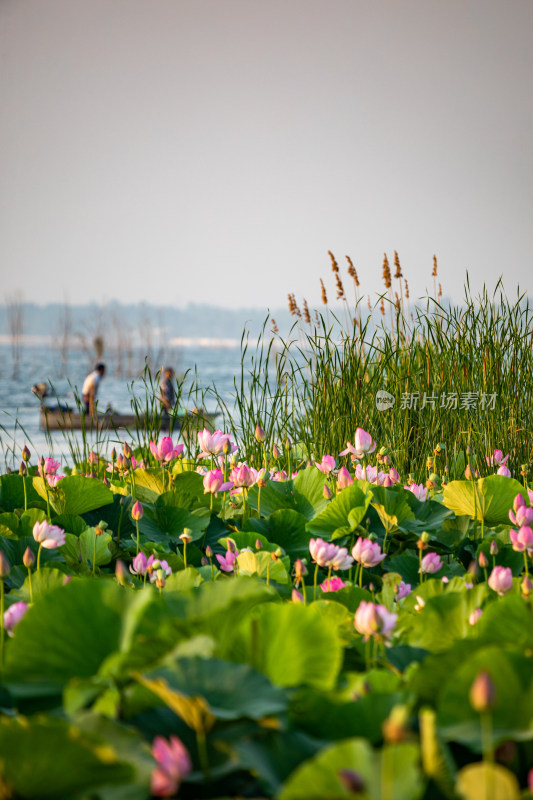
13 615
371 473
243 476
48 469
520 513
165 451
374 620
139 565
501 580
137 511
394 475
497 459
503 470
363 445
333 585
403 590
322 552
155 565
214 482
214 444
48 536
227 562
522 539
419 491
344 479
341 560
367 553
327 464
173 764
431 563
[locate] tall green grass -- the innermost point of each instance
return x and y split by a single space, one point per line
322 383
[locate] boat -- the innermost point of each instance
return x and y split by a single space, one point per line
62 417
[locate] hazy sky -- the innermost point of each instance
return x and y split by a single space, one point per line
214 150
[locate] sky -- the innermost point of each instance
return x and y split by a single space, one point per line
213 151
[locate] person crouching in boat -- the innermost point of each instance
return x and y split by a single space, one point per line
167 395
90 388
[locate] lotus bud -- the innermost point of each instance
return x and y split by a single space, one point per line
288 443
121 573
126 450
186 536
5 567
483 561
204 561
387 460
526 586
279 552
232 547
475 616
275 452
26 455
137 511
67 579
126 462
259 434
28 559
468 473
300 569
518 502
160 579
395 728
209 551
494 548
483 693
258 544
106 482
296 596
328 494
226 446
352 781
23 468
113 455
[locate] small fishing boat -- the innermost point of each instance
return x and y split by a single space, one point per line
62 417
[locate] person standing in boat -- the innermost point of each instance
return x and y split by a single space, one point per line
90 388
167 396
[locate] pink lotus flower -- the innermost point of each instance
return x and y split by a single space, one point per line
214 444
13 615
504 471
344 479
431 563
227 562
279 476
165 451
322 552
341 560
363 445
173 764
501 580
374 620
497 459
419 491
386 481
333 585
367 553
48 536
296 596
394 475
371 473
48 469
155 565
403 590
327 464
523 515
214 482
243 476
139 565
522 539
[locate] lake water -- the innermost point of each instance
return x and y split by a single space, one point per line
19 408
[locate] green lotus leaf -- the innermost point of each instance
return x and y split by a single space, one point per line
74 494
494 497
345 511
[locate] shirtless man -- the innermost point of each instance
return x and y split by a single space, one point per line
90 388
